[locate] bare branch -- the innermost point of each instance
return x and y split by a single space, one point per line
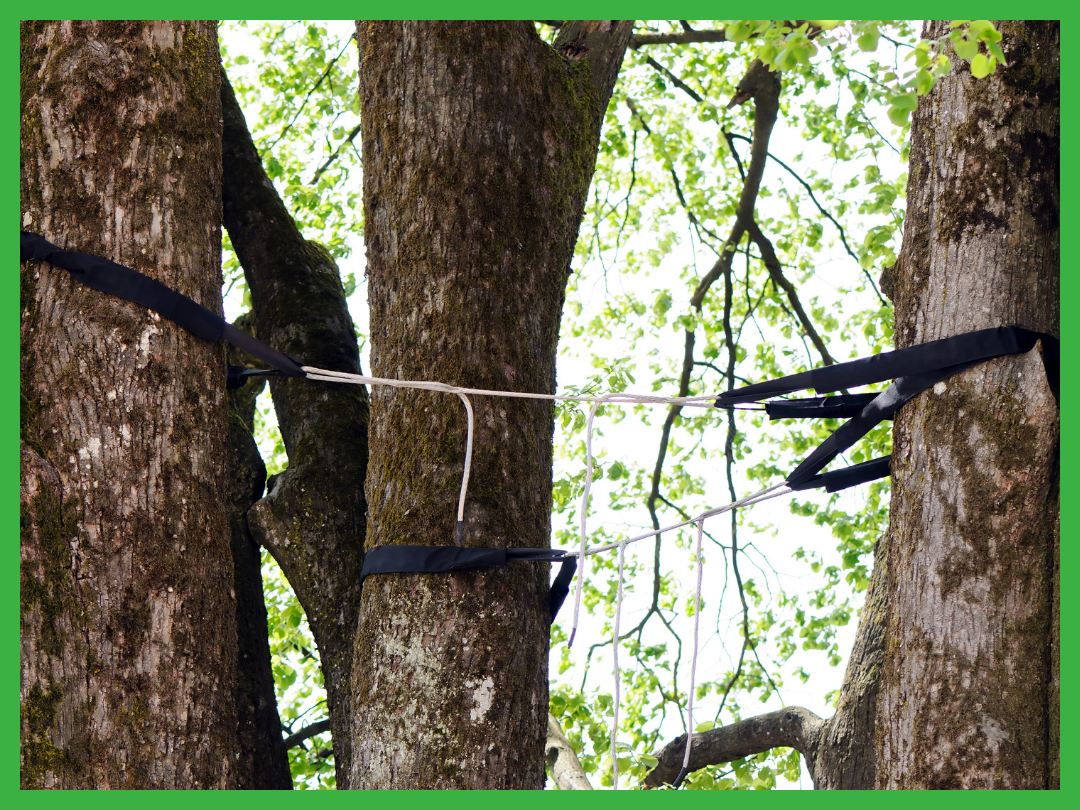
675 80
562 761
307 98
793 727
772 264
337 153
677 38
764 88
821 208
306 733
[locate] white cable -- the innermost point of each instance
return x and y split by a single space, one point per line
615 656
775 491
465 474
584 516
693 658
325 375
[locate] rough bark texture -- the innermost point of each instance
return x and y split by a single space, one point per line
479 143
563 764
791 727
128 645
313 519
262 762
967 693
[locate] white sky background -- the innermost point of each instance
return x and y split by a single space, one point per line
630 441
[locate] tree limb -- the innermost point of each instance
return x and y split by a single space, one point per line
825 213
562 761
307 732
793 727
298 305
764 88
336 154
776 273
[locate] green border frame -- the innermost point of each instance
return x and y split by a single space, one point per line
9 408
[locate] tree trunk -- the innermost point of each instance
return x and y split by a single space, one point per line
128 616
479 143
968 696
313 518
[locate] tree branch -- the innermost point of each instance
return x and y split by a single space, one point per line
677 38
764 88
336 154
562 761
821 208
793 727
772 264
307 732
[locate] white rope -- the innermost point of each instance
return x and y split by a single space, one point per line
468 469
313 373
775 491
584 515
615 656
693 658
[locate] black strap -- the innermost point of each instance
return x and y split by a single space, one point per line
131 285
915 369
882 407
440 559
843 406
845 477
984 344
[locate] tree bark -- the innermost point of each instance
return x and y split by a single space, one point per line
566 770
968 693
313 518
128 642
479 143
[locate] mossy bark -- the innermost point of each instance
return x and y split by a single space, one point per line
128 641
479 142
314 517
968 696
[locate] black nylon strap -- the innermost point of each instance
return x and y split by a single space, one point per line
131 285
915 369
883 406
849 476
843 406
984 344
440 559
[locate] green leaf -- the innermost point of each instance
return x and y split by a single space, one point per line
966 49
981 66
905 101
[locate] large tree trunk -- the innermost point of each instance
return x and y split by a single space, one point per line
969 693
128 613
479 143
